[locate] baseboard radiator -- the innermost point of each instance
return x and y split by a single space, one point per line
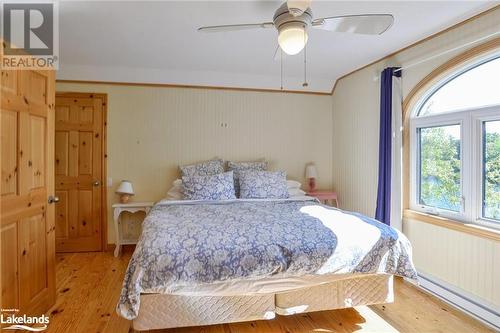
486 313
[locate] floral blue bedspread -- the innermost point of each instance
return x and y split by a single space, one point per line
190 243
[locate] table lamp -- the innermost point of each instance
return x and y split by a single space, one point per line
125 190
311 175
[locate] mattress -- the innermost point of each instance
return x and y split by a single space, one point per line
169 311
196 247
270 285
344 293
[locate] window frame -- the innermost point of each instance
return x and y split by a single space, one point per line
447 119
471 162
478 119
418 170
444 81
410 102
471 145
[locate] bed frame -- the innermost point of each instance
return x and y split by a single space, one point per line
160 311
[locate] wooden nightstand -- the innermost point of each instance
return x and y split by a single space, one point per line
326 197
131 207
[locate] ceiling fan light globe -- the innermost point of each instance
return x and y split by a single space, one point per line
292 39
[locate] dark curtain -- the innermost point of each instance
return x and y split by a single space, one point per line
383 212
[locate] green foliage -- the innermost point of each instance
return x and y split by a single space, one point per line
492 172
440 169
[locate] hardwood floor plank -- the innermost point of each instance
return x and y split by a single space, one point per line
107 315
97 314
89 284
74 295
417 311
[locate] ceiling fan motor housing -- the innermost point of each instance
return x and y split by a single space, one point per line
283 17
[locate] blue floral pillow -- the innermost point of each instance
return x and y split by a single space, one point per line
211 187
263 185
206 168
238 167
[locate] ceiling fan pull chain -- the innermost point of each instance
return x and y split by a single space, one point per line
281 66
305 84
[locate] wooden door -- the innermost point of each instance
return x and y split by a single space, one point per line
27 180
78 172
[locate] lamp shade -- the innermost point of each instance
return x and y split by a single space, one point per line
311 171
125 188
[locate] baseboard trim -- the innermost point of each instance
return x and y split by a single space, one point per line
128 247
468 304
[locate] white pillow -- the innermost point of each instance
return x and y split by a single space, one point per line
296 192
175 192
293 184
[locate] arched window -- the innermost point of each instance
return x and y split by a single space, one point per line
455 94
455 146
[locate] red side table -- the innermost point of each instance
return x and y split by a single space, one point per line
326 197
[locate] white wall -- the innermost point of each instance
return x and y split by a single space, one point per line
355 165
152 130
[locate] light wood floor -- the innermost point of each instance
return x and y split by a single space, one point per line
88 285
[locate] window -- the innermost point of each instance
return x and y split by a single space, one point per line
440 167
455 146
455 95
491 170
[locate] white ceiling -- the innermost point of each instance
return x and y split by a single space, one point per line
157 42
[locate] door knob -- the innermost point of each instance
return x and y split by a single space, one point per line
96 183
53 199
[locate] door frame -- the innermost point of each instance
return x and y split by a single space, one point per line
104 159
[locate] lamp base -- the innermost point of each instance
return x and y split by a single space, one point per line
312 184
124 198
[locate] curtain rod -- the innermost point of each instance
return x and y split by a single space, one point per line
447 51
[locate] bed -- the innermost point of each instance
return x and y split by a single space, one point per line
209 262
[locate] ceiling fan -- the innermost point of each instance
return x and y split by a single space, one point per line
293 18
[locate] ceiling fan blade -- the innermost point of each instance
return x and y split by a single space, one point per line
236 27
367 24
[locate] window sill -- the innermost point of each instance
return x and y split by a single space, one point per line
468 228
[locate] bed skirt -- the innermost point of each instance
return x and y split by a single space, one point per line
159 311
